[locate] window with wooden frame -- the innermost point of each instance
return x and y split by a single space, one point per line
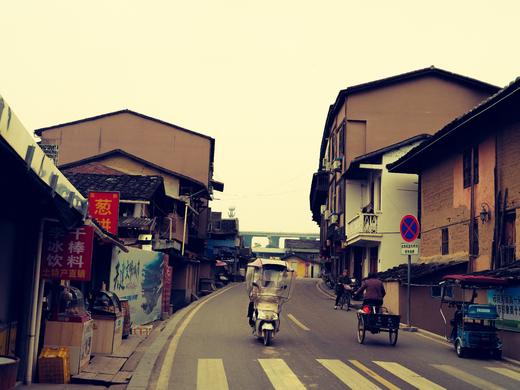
468 172
445 241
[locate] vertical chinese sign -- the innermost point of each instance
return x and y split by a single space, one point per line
67 255
104 208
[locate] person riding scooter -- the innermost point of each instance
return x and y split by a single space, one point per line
374 291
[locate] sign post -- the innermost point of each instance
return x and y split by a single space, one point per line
409 229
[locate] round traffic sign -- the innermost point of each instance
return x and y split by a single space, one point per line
409 228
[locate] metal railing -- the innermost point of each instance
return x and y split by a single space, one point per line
362 223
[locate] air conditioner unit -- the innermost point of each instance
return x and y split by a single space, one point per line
336 165
323 208
334 218
327 214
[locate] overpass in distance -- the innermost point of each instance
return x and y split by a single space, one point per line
274 237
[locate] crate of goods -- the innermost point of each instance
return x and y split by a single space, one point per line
142 330
53 365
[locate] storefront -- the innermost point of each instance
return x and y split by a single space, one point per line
33 191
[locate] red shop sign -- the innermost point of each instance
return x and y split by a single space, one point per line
104 208
67 255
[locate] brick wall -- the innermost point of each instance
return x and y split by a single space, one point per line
508 161
437 212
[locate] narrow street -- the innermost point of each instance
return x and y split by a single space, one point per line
316 348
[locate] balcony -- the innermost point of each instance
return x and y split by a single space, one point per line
362 230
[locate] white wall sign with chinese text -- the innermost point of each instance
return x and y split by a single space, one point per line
409 249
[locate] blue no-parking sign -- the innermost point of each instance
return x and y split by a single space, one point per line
409 228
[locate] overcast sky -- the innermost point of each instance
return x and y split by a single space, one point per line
258 76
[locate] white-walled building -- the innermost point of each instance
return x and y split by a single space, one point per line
376 200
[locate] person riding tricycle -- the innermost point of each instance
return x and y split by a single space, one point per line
473 324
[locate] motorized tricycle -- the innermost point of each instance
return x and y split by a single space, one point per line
473 325
269 285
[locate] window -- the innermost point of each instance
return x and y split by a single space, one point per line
436 291
342 139
467 170
445 246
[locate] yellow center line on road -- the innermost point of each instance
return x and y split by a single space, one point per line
167 366
293 319
506 372
467 377
280 375
211 375
373 375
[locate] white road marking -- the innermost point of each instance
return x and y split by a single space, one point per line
466 377
347 375
211 375
293 318
166 369
409 376
372 374
280 375
506 372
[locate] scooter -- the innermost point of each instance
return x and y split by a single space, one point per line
269 284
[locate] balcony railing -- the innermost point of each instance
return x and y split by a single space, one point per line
363 223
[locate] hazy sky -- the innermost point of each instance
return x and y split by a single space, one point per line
258 76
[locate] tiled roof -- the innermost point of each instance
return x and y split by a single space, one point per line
420 271
120 152
135 223
130 187
511 272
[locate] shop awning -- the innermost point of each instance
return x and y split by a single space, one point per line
70 204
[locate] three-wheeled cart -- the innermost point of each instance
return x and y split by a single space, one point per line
473 325
377 321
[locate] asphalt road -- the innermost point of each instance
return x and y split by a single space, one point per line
316 348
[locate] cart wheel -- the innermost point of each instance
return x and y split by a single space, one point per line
461 352
360 330
392 336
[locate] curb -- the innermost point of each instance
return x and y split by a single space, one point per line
141 376
321 286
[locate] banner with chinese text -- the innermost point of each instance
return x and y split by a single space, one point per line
104 208
507 302
67 255
138 276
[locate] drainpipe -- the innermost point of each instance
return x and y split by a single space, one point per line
36 308
472 255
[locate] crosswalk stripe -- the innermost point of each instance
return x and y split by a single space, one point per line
466 377
506 372
409 376
211 375
280 375
347 375
372 374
